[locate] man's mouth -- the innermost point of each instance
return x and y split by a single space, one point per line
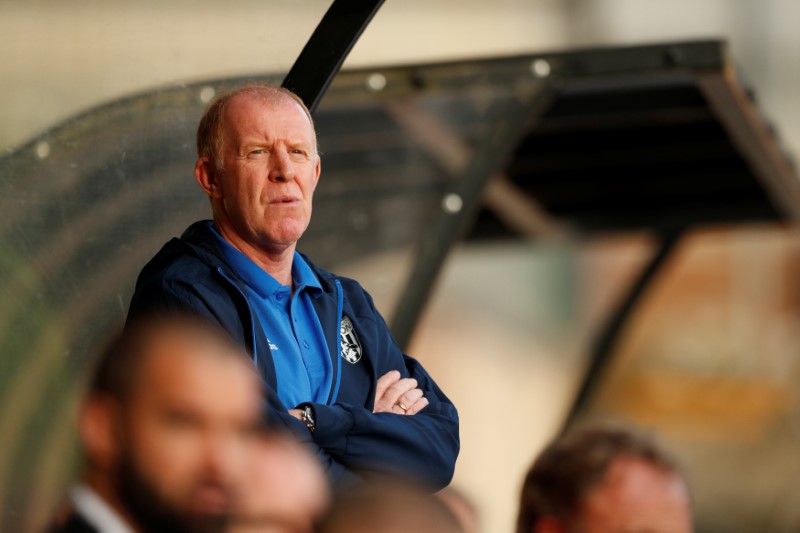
211 499
285 200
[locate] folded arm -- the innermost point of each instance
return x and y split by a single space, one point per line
422 443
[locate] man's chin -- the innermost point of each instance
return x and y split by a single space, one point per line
152 511
205 523
189 521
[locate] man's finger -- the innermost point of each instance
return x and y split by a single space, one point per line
396 409
405 405
386 402
409 398
418 406
384 382
397 389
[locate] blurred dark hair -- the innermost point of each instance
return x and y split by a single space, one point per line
388 505
573 464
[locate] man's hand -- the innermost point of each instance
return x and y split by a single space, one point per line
398 396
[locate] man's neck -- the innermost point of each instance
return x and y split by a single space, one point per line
276 261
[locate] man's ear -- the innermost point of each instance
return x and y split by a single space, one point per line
98 426
206 176
317 170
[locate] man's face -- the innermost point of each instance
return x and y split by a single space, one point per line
271 169
636 497
185 436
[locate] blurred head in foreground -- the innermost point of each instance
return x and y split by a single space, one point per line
462 507
388 506
168 423
604 479
286 489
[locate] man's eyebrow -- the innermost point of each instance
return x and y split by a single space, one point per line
260 141
252 143
301 144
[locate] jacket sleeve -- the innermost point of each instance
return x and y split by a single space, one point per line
339 475
424 445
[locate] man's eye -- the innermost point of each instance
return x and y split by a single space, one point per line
181 420
257 151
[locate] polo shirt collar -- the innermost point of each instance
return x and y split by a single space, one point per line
303 277
95 510
261 281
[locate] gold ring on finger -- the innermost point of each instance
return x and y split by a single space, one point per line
401 406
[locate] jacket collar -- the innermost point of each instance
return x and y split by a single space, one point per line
200 238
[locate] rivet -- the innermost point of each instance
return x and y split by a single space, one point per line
376 82
452 203
42 150
540 68
207 93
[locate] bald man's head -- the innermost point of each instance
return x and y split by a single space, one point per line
117 370
168 424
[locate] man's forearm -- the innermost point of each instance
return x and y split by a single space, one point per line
425 445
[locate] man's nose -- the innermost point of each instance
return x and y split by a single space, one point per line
224 455
282 168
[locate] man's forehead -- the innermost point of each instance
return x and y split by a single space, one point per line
244 106
175 353
633 481
206 389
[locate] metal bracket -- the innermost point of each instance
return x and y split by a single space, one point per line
610 334
326 50
459 204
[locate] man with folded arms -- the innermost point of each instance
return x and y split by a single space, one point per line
334 374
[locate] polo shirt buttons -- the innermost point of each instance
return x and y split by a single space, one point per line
305 344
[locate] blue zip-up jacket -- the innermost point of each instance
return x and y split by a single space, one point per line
190 274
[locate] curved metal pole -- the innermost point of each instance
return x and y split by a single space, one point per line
607 340
326 50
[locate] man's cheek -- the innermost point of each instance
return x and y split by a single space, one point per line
170 461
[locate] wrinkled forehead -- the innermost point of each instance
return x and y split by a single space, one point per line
247 111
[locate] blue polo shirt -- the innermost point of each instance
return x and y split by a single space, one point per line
296 340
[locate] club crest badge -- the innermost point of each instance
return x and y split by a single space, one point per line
351 348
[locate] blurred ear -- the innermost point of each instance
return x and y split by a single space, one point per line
98 425
206 176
